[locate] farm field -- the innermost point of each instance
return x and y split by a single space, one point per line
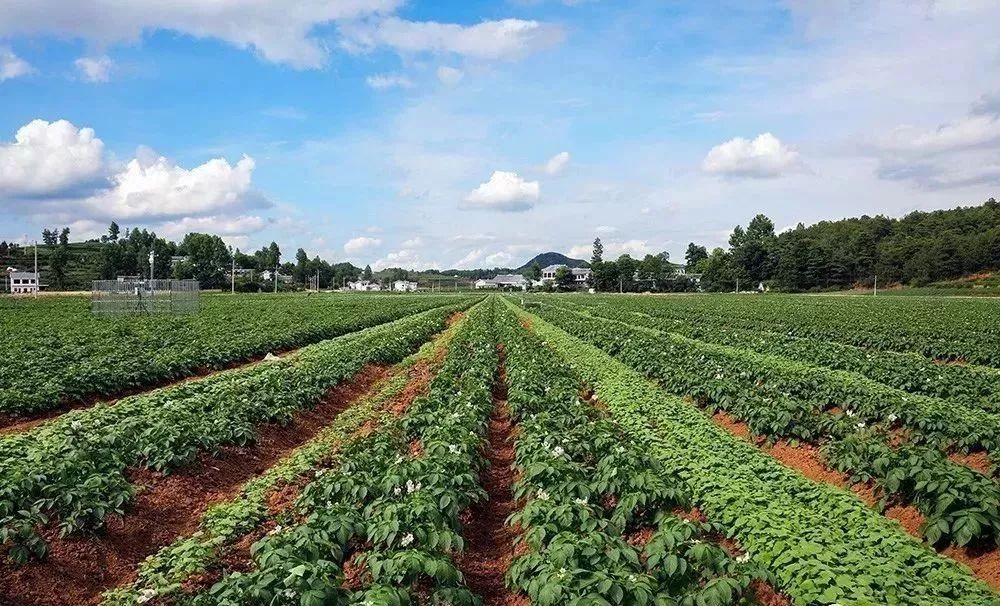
63 356
537 449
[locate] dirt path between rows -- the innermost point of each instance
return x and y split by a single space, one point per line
236 557
489 541
80 568
807 460
10 424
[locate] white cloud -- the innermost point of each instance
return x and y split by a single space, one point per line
498 259
412 243
280 32
505 191
470 259
94 69
405 258
361 243
605 229
635 248
48 158
763 157
557 163
987 105
503 39
387 81
450 75
970 132
220 225
161 189
473 238
12 66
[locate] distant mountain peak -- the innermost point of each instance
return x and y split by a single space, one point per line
553 258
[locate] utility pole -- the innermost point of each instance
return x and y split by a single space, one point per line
232 276
38 283
276 278
737 286
875 292
152 259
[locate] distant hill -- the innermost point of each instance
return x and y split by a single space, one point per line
552 258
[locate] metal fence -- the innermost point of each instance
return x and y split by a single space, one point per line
138 297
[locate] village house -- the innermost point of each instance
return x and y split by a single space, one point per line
404 286
580 274
22 282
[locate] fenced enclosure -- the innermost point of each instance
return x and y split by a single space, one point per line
138 297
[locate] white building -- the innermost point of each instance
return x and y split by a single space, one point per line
580 274
484 283
404 286
22 282
364 286
511 281
267 275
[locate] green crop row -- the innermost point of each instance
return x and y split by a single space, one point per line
968 384
959 505
945 329
390 508
821 544
704 368
164 573
71 472
57 352
586 489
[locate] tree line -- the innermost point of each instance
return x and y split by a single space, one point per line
203 257
917 249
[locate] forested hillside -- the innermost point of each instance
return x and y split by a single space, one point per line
917 249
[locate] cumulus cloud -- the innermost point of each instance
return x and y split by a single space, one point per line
280 32
162 189
412 243
960 153
12 66
613 249
763 157
557 163
355 245
387 81
221 225
48 158
450 75
987 105
501 39
505 191
94 69
406 259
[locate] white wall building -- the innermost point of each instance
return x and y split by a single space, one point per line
364 286
484 283
404 286
580 274
22 282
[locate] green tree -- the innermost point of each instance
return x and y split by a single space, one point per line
716 271
64 236
49 237
598 255
693 255
113 232
301 273
209 257
564 279
367 275
535 271
626 267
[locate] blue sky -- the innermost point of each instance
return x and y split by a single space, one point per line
478 133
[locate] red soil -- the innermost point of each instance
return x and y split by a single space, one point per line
806 460
976 461
20 423
489 540
236 557
166 506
